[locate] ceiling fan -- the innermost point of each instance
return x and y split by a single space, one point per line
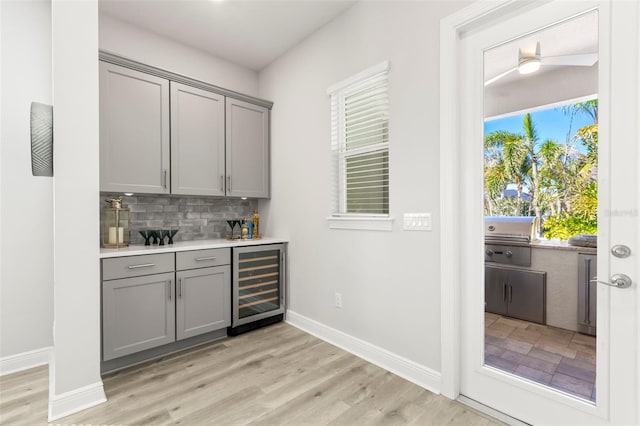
528 64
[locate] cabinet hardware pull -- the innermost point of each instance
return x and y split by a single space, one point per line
164 179
587 299
170 290
180 287
199 259
504 291
143 265
229 184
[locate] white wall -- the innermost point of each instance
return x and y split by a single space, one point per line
26 264
75 367
390 281
135 43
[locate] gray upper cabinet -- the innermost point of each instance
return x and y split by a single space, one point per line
197 141
134 131
203 302
247 153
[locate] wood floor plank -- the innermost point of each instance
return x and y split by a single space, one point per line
277 375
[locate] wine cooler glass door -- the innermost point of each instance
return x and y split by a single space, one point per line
258 279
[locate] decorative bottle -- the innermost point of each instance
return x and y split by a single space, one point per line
256 224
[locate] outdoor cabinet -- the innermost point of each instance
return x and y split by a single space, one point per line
587 293
517 293
134 131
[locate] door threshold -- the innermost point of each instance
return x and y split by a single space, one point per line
485 409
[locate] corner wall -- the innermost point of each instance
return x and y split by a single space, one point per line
75 382
26 224
389 281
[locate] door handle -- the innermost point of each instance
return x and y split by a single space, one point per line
617 280
170 290
229 184
587 300
504 291
180 288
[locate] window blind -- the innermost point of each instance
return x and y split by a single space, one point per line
360 140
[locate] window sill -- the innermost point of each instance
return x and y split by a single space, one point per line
361 223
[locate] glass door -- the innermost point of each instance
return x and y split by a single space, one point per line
258 278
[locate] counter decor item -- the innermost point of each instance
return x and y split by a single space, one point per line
255 220
116 224
172 233
146 235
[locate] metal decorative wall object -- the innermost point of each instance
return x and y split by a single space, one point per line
41 139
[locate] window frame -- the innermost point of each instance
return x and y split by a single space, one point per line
339 217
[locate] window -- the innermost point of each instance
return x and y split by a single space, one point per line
360 145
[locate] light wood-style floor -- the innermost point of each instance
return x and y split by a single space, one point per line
277 375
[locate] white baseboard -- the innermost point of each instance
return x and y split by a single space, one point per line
407 369
76 400
24 361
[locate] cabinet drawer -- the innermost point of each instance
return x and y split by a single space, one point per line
135 266
202 258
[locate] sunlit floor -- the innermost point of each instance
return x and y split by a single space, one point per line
562 359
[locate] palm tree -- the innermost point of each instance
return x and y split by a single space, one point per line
520 160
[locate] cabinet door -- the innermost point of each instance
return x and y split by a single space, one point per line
247 150
495 290
203 301
587 271
134 131
258 282
527 295
197 141
137 314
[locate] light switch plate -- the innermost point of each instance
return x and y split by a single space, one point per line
417 222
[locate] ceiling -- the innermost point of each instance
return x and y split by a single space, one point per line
575 36
251 33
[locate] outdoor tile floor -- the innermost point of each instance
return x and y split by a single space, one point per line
562 359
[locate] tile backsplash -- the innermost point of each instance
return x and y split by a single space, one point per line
196 218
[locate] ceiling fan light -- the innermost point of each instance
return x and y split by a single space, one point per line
528 65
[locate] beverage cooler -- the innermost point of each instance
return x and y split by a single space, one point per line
258 293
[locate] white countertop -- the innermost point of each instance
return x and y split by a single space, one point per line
135 250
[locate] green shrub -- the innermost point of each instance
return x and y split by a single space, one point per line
568 226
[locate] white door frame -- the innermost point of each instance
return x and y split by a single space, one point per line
451 192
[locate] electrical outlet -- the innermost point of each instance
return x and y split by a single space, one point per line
338 300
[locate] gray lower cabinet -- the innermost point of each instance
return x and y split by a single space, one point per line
153 300
247 149
587 293
203 301
517 293
137 313
134 131
197 141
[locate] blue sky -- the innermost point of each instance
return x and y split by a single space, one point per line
551 124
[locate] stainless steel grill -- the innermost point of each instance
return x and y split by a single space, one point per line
510 229
507 239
